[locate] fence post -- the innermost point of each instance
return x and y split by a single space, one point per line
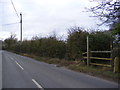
88 52
111 55
116 64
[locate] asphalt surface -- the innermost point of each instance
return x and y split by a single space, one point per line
0 69
23 72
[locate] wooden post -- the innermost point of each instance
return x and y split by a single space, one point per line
116 64
88 52
111 55
20 32
21 27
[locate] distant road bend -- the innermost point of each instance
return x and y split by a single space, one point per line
23 72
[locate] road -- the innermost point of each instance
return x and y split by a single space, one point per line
23 72
0 69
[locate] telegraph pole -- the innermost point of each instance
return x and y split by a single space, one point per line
21 27
20 30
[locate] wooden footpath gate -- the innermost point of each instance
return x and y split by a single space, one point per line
89 58
98 58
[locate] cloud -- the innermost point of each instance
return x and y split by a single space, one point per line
45 16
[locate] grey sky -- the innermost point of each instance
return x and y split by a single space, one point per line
41 17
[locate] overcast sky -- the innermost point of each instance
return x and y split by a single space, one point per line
42 17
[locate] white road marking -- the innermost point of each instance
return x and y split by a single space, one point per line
19 65
38 85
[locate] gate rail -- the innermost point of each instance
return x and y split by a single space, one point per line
99 58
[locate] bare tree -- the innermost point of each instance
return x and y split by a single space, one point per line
107 10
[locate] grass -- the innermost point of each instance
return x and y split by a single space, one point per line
96 71
102 72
